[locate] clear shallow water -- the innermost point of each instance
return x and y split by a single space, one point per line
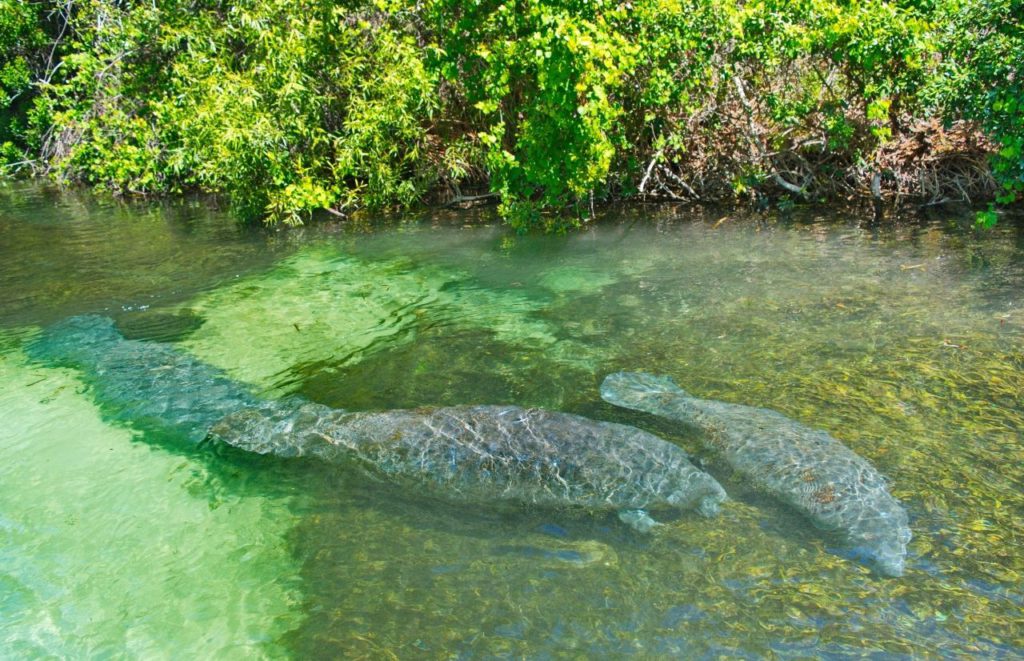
907 344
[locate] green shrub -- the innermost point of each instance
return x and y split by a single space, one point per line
545 78
22 41
981 78
290 106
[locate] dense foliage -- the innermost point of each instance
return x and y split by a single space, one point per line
981 77
291 106
22 44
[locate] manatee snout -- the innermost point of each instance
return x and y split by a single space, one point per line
706 500
892 566
709 506
884 548
891 553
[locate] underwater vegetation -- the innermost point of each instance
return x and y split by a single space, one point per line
272 329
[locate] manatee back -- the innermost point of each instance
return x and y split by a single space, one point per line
489 453
533 456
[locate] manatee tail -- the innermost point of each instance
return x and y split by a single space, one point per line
150 384
640 391
74 339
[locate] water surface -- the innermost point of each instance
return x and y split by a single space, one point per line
907 343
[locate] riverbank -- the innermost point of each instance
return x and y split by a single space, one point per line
546 107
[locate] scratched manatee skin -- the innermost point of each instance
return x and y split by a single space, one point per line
805 468
476 454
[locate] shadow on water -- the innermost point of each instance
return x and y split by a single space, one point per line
156 325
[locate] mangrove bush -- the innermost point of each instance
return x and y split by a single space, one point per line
546 106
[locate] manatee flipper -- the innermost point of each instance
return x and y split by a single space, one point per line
638 520
638 390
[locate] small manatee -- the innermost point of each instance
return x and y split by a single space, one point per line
805 468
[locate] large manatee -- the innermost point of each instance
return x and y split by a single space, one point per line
803 467
473 454
478 454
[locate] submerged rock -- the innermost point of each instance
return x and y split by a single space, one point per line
474 454
582 553
803 467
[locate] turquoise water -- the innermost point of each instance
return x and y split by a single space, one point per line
906 343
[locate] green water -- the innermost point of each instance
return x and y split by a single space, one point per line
907 344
